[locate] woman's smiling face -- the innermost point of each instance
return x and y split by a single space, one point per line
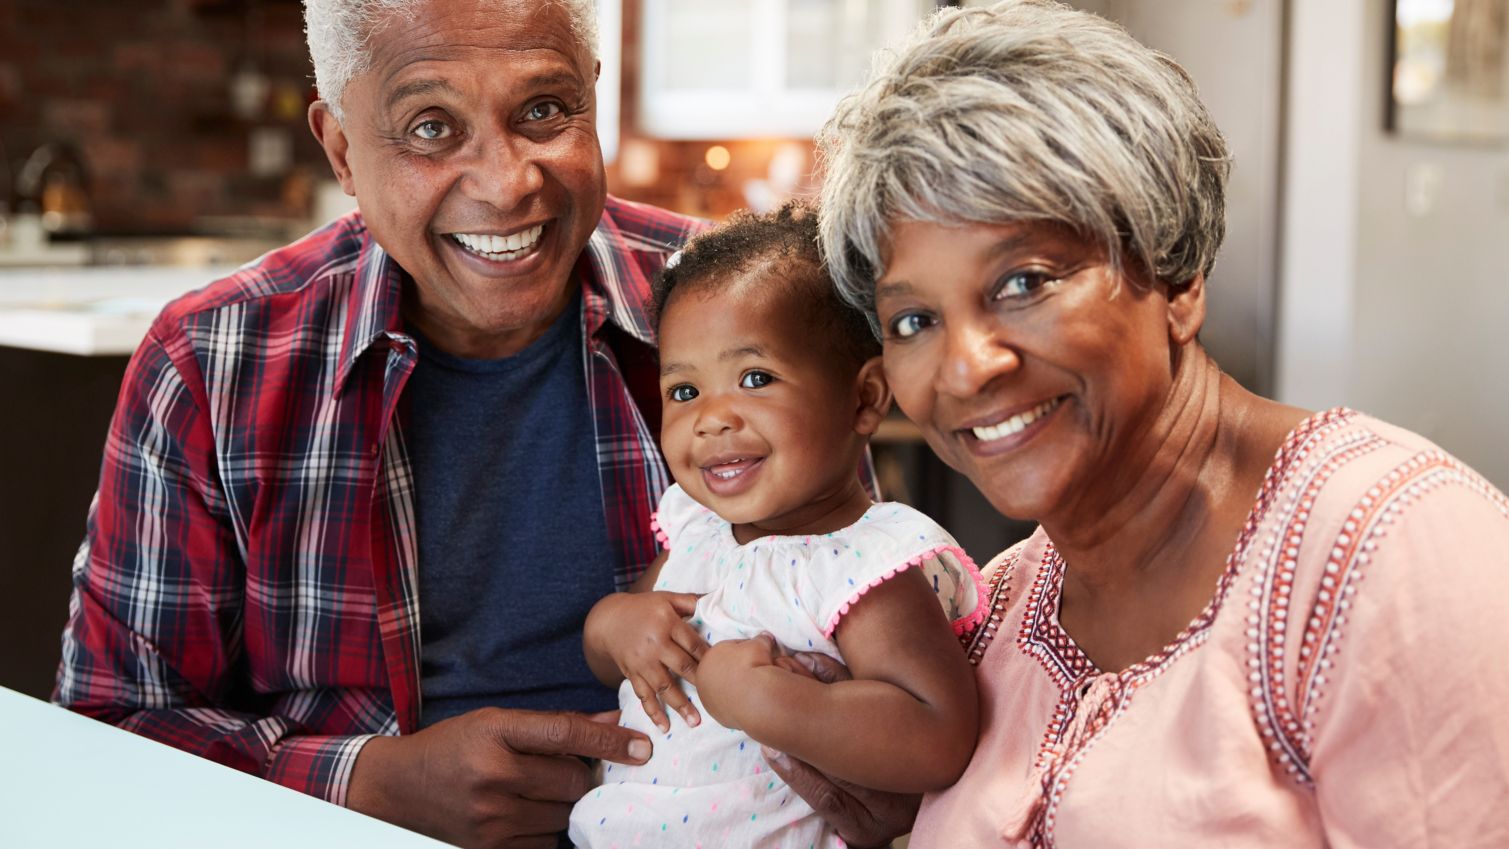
1030 365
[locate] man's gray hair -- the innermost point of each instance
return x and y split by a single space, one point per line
338 31
1025 111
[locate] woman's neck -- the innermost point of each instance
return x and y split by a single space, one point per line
1162 496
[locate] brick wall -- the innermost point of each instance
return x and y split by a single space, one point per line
142 89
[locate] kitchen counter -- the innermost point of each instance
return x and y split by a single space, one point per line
96 311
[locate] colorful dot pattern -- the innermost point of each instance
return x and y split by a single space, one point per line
710 785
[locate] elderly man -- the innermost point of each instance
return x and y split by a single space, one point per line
358 497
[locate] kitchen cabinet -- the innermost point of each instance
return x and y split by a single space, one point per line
742 68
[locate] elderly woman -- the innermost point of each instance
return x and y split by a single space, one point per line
1238 623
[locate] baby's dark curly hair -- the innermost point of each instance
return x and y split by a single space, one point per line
781 248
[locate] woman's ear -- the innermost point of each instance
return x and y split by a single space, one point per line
1186 310
874 397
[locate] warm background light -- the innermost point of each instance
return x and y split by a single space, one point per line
717 157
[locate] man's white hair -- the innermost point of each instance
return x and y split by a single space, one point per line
1025 111
338 32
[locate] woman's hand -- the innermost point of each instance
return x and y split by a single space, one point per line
861 816
647 639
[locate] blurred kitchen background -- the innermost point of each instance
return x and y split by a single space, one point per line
146 146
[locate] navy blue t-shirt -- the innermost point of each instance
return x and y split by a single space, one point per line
513 544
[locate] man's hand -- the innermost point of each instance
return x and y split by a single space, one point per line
647 637
862 817
491 777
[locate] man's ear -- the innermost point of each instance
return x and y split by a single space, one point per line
874 397
332 137
1186 311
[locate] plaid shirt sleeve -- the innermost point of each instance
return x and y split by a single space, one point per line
155 627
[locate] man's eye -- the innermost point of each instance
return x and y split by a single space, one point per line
909 324
432 130
543 110
683 392
756 379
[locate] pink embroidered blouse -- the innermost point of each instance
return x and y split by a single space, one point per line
1346 686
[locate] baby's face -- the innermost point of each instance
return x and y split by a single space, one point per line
758 422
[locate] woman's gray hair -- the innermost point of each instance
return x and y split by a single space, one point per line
1025 111
338 31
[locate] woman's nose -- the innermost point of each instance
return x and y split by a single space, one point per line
973 356
502 172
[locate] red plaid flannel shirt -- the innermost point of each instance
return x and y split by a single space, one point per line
247 587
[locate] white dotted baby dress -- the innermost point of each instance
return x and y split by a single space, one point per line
709 786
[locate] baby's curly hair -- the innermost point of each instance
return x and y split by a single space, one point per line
781 249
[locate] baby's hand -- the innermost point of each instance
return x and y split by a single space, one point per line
648 637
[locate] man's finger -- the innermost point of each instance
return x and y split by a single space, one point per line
545 733
548 780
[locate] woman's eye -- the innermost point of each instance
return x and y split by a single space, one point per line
1020 284
432 130
683 392
755 379
543 110
909 324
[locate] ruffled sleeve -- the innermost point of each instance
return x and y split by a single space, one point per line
677 511
890 539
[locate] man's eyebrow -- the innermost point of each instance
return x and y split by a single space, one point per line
417 88
895 287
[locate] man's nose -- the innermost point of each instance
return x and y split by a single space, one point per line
502 172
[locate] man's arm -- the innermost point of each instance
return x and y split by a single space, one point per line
154 637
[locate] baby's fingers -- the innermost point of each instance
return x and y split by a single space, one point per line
676 699
689 639
649 697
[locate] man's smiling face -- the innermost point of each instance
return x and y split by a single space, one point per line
470 145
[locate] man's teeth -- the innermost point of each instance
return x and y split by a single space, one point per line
500 247
1015 424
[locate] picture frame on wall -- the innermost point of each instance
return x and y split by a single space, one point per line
1449 71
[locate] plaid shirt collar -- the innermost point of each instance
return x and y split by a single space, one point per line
375 309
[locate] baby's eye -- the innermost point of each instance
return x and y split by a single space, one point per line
431 130
756 379
682 392
909 324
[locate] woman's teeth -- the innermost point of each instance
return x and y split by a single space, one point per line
1015 424
500 247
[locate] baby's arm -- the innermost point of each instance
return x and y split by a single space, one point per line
906 723
642 635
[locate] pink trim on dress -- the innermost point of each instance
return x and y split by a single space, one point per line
961 625
660 534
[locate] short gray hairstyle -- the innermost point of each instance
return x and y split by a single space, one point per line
338 31
1025 111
